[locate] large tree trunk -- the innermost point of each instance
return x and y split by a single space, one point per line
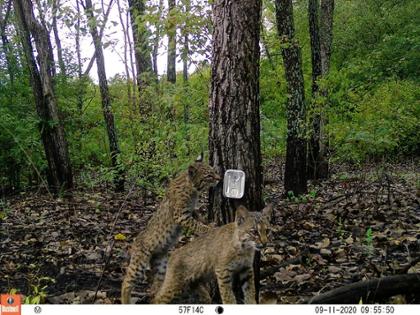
52 131
234 131
171 69
141 41
295 169
234 139
105 98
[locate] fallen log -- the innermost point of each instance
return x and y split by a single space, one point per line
370 291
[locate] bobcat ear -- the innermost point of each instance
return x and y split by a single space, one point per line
241 215
192 170
268 210
200 157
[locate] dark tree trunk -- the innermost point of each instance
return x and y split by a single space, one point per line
295 169
234 139
314 158
234 127
141 42
321 41
52 131
326 32
61 63
105 97
171 70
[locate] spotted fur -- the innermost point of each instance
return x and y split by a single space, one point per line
175 214
225 253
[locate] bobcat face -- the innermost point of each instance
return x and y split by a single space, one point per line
203 176
253 227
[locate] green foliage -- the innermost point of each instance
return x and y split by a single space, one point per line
384 122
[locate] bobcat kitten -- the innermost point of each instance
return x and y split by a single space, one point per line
150 248
225 252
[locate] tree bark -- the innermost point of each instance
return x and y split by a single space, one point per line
314 158
171 69
61 64
105 98
326 33
295 169
52 131
234 138
141 42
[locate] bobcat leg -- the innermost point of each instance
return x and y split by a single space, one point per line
159 270
248 286
203 294
170 289
224 281
136 272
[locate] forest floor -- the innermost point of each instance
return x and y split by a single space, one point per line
362 223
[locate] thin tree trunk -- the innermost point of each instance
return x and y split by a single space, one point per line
265 46
171 70
156 39
10 59
314 158
326 32
105 98
61 64
234 128
186 50
295 169
141 41
52 131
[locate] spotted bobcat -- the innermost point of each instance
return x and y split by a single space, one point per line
225 253
175 213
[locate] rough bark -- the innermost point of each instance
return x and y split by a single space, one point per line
234 138
171 69
52 131
61 64
105 98
295 168
141 41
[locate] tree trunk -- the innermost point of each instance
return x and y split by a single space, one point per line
314 158
326 33
234 127
295 169
234 138
171 70
156 39
141 41
61 64
52 131
186 50
105 98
